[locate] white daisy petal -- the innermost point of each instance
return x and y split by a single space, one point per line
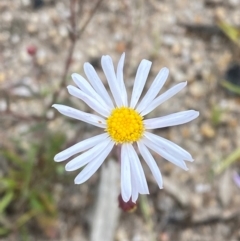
79 147
163 97
120 80
171 147
140 80
134 185
97 84
138 170
175 119
87 88
92 167
147 156
109 72
87 156
162 152
80 115
88 100
156 86
126 187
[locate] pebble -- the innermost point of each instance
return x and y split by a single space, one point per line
179 76
7 17
32 28
233 122
202 188
63 31
165 203
25 57
41 57
207 130
26 3
225 188
2 77
224 144
234 3
168 40
21 91
197 89
53 33
4 36
196 201
176 49
3 105
197 57
15 38
220 13
185 132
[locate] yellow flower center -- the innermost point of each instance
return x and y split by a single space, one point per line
125 125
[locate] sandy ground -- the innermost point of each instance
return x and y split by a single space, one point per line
201 204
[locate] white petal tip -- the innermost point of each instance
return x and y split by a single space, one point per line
87 66
165 69
68 168
146 61
197 113
74 77
125 199
76 181
56 158
59 158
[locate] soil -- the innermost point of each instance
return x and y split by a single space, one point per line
201 204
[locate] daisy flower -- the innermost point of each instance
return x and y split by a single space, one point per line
123 124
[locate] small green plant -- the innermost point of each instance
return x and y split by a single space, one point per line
216 115
233 33
227 162
231 87
26 188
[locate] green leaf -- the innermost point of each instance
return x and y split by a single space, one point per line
7 184
4 231
233 33
36 203
26 217
11 156
231 87
5 201
216 115
224 164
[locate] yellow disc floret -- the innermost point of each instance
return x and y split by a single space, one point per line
125 125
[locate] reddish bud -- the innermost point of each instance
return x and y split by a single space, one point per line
32 50
126 206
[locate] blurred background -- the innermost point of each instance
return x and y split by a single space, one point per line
42 42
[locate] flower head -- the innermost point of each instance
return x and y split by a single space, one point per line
123 123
